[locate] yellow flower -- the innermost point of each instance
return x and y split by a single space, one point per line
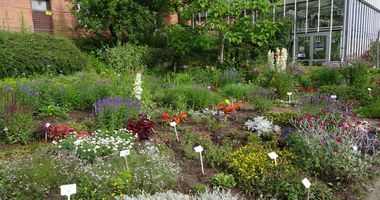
113 194
227 102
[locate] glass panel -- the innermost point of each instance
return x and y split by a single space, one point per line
320 47
39 5
335 46
303 51
313 15
325 14
338 13
301 16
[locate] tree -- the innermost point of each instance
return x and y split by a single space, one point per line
127 18
232 21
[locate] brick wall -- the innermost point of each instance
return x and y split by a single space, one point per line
14 13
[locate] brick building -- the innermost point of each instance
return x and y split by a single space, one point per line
52 16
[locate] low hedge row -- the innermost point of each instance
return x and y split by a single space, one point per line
24 54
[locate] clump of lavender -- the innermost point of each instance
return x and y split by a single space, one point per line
295 70
229 75
114 112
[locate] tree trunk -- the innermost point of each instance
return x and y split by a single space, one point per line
221 47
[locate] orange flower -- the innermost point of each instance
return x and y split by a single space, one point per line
239 105
221 106
165 117
176 120
229 109
182 115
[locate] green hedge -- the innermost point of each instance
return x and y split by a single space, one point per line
23 54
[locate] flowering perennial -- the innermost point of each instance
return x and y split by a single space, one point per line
138 89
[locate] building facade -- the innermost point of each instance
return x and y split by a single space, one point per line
51 16
330 30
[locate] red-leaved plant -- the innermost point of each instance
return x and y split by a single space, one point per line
141 128
62 131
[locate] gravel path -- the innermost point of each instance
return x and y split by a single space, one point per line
374 193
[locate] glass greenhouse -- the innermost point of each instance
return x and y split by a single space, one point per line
330 30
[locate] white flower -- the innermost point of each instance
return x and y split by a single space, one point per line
6 129
54 142
138 89
77 143
277 129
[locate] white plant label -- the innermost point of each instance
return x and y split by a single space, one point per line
354 147
68 190
369 89
125 153
306 183
333 96
173 124
199 150
289 93
47 125
273 156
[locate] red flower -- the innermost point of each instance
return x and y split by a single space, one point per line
177 120
339 139
378 124
165 117
182 115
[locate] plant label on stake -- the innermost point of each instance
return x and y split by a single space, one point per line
174 124
68 190
273 156
199 150
47 125
307 185
289 95
333 97
77 143
369 91
125 154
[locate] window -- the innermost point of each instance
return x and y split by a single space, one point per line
39 5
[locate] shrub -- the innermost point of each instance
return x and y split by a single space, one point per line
17 129
198 188
347 93
327 76
24 54
262 104
371 111
282 83
236 91
356 73
127 58
223 181
187 96
257 174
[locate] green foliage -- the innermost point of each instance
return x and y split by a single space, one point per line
326 76
282 118
257 174
17 129
356 73
371 110
262 104
223 181
347 93
25 54
282 83
127 58
237 91
129 18
182 97
198 188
